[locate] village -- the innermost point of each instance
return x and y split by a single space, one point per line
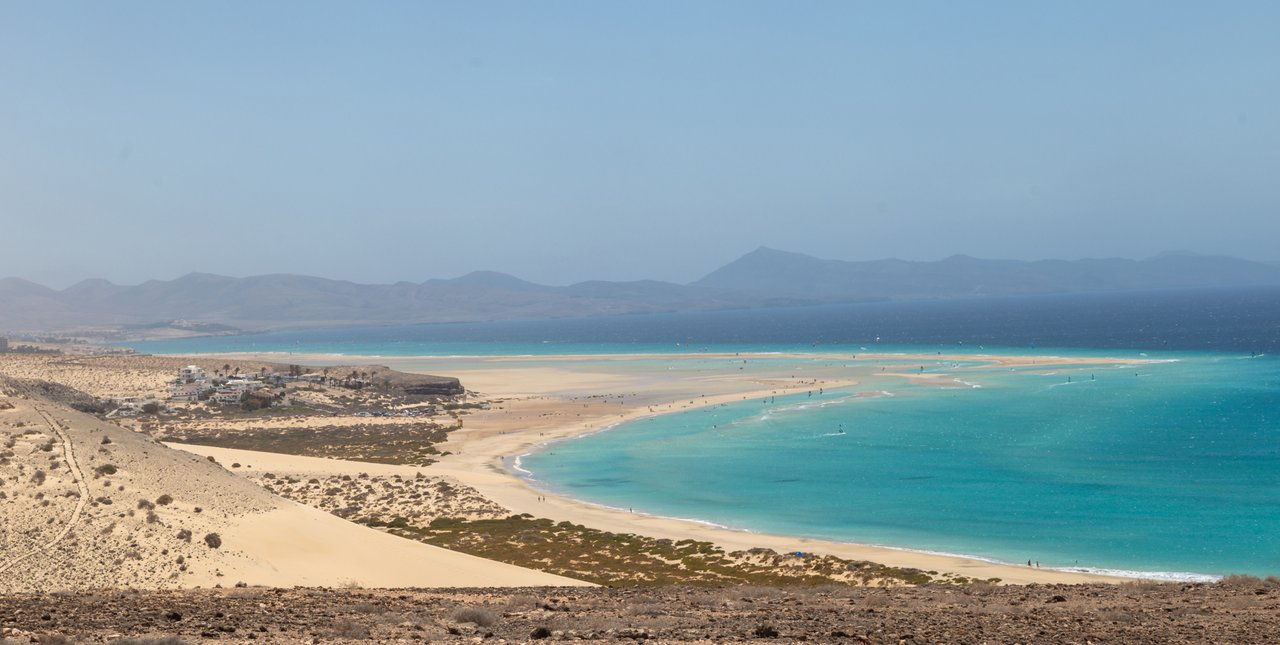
253 391
114 385
250 391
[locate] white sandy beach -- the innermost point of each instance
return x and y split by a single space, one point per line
546 399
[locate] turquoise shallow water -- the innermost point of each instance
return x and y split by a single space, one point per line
1169 468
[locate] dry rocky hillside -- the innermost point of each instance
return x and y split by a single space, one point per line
88 504
1242 612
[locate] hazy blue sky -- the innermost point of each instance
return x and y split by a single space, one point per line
563 141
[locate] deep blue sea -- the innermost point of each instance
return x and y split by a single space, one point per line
1169 467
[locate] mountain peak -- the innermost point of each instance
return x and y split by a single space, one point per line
19 285
92 288
492 280
91 283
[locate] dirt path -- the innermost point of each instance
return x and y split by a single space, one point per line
68 455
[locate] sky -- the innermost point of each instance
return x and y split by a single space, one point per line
565 141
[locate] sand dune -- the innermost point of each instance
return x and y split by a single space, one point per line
87 504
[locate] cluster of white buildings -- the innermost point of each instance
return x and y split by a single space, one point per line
193 382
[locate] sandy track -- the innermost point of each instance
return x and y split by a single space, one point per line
69 456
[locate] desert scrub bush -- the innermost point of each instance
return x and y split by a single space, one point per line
105 469
645 609
479 616
754 592
980 589
213 540
162 640
368 608
876 600
344 628
523 602
164 500
1237 580
184 535
145 505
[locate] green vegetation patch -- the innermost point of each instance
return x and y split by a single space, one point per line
407 443
628 560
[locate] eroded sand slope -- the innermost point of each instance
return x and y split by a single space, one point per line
87 504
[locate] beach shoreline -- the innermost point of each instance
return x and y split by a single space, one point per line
540 405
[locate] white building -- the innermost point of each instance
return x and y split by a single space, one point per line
191 373
185 391
230 393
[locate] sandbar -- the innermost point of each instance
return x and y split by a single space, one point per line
542 399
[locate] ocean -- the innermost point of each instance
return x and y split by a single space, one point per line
1168 465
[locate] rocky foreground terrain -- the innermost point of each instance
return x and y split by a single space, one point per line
1242 611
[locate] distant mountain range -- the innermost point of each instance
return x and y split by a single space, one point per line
774 273
205 303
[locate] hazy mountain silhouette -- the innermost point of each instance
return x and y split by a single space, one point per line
780 273
765 277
